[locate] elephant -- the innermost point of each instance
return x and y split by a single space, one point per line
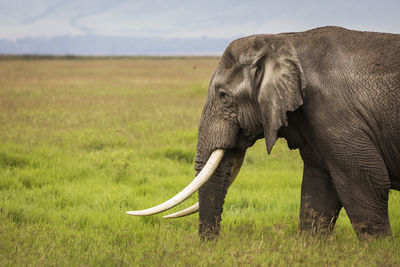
333 94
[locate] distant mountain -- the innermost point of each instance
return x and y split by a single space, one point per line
106 45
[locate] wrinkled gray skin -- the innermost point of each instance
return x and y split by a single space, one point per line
330 92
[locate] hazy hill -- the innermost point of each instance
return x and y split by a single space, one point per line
106 45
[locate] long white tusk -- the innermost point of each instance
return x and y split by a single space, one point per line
183 213
195 208
189 190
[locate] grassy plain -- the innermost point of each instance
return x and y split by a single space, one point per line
82 141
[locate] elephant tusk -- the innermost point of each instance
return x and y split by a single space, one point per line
195 208
183 213
189 190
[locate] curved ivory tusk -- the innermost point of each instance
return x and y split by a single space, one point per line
195 208
189 190
183 213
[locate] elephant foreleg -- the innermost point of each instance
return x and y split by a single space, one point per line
320 204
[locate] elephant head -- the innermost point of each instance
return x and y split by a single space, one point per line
257 81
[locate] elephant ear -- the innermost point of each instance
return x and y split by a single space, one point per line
281 87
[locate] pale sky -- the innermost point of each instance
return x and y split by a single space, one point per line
193 19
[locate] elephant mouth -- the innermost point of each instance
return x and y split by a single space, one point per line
247 139
201 178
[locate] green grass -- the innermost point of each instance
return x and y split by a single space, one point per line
82 141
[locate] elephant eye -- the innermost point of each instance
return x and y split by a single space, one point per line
223 96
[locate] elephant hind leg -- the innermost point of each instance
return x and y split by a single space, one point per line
320 204
362 182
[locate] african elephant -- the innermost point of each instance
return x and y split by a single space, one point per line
332 93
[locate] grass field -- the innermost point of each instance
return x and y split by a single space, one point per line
82 141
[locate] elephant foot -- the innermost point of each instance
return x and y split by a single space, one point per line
317 225
369 231
207 232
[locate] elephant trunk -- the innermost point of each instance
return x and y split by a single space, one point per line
212 193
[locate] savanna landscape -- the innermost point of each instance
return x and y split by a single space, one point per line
83 140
